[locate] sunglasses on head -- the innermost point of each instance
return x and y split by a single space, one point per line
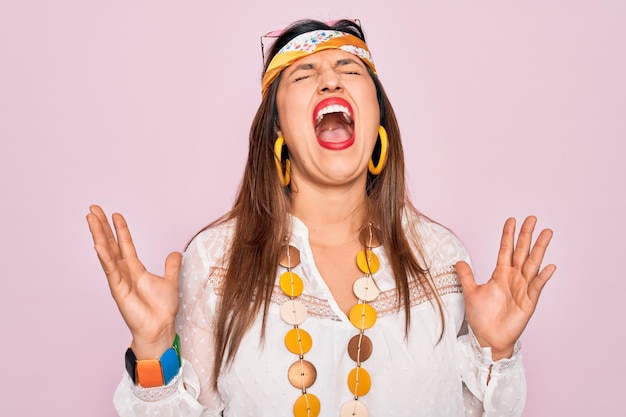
270 37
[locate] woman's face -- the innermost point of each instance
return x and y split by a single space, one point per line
329 116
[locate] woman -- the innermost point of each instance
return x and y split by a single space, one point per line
275 317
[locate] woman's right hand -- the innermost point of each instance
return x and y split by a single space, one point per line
148 302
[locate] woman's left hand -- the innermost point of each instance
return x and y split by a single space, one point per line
499 310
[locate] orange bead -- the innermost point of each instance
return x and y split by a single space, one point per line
359 381
307 405
362 316
298 341
367 257
291 284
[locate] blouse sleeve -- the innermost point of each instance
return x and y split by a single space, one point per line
191 392
490 389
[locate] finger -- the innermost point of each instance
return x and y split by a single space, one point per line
172 266
533 263
505 253
106 229
524 240
97 224
466 277
106 258
536 284
125 241
95 228
100 241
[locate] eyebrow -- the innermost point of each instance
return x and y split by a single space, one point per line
348 61
305 66
339 63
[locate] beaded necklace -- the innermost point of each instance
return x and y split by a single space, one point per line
302 373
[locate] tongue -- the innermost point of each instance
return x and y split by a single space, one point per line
333 128
339 134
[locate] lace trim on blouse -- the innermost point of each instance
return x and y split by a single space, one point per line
445 280
157 393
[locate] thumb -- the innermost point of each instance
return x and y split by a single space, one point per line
466 276
172 266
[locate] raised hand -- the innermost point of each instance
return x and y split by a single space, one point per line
148 302
499 310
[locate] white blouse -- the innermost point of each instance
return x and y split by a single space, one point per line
418 375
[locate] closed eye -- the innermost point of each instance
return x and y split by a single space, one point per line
301 77
302 72
349 66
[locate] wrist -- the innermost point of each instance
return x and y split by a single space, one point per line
506 353
498 352
152 347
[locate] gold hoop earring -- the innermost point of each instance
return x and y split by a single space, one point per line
384 146
278 157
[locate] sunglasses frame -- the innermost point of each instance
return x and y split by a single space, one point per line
276 33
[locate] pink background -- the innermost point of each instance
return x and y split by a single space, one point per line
507 109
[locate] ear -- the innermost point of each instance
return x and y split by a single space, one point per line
279 133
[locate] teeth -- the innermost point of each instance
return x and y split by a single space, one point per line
336 108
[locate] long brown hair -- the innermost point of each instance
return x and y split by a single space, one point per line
262 207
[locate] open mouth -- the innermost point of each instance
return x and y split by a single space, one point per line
334 127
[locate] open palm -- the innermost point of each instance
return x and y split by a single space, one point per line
148 302
499 310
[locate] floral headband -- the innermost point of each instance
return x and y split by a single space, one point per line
311 42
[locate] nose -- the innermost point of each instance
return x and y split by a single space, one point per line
329 82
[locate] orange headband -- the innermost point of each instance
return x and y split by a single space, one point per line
311 42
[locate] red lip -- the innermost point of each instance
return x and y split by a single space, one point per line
331 101
337 146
